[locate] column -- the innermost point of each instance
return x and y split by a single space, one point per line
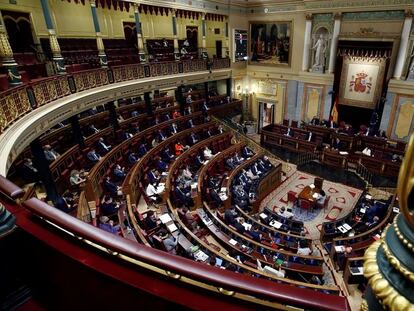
148 104
113 116
77 132
307 47
101 49
402 51
334 43
203 33
180 98
228 87
175 35
7 59
54 44
226 52
206 91
42 165
140 41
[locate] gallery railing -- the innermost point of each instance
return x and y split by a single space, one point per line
18 101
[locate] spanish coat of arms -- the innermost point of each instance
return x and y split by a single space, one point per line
362 83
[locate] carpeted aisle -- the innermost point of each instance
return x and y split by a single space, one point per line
342 201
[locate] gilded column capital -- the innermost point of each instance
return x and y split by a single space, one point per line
308 16
408 14
136 7
174 12
93 3
338 16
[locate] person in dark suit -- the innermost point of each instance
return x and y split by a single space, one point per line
142 150
63 205
29 172
315 121
103 147
151 220
230 215
230 163
161 165
166 155
93 156
153 176
173 129
132 158
119 172
193 139
247 153
108 206
190 123
161 136
110 186
338 144
183 196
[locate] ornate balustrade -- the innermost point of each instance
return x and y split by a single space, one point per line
17 101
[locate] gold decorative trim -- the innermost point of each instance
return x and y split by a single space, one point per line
406 182
381 288
396 263
364 305
401 237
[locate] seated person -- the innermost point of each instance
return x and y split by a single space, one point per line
161 136
279 272
179 148
166 155
338 144
153 176
50 154
247 153
183 195
134 114
119 172
92 130
170 243
255 170
110 187
315 121
75 178
193 139
161 165
174 129
205 107
65 203
284 213
230 164
108 207
187 173
151 221
153 192
289 132
132 158
321 198
309 137
238 159
155 142
190 123
304 249
103 147
238 224
216 197
230 215
255 233
250 175
93 156
142 150
176 114
207 153
199 161
126 135
108 225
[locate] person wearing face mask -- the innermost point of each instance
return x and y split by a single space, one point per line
75 178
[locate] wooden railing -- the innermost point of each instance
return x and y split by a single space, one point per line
216 283
17 101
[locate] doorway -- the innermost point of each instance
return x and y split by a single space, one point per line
218 49
266 114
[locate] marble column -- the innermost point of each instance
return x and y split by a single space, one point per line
99 43
6 55
307 43
77 132
402 51
175 35
226 53
334 42
203 33
54 44
143 57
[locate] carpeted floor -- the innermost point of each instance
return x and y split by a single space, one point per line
342 201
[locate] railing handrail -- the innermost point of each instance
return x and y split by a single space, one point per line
120 247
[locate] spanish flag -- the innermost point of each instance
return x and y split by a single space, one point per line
334 112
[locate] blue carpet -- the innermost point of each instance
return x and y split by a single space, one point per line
304 215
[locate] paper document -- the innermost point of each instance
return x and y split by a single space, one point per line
233 242
275 224
172 227
165 218
247 226
340 248
263 216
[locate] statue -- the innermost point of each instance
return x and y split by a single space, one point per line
320 47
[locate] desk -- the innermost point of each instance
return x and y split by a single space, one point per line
307 194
